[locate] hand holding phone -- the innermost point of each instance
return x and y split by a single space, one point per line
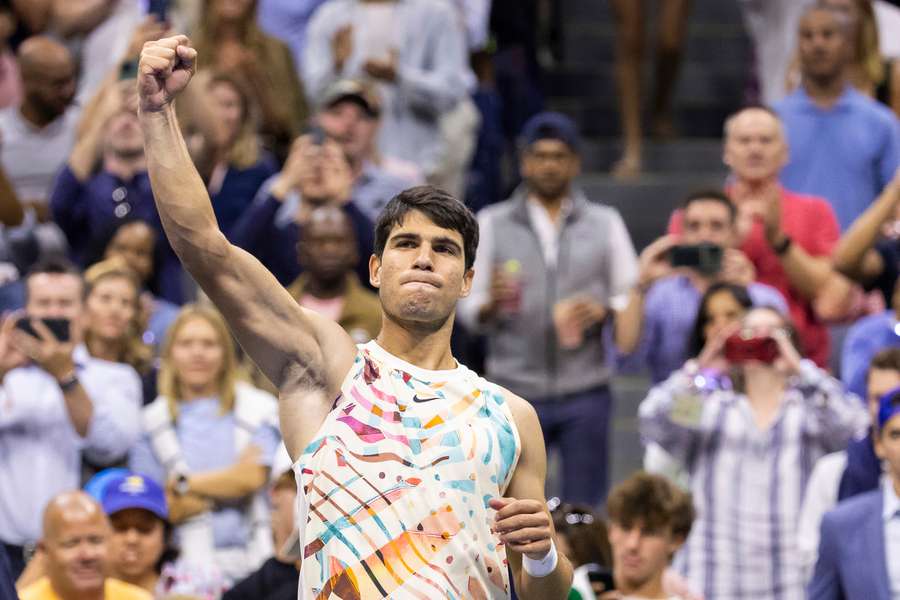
704 258
743 346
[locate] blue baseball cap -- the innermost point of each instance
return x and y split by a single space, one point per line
96 485
551 126
888 407
132 490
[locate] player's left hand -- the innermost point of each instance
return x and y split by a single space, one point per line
523 525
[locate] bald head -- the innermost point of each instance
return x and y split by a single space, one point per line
755 145
48 77
76 533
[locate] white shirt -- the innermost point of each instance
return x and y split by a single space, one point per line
32 156
891 516
40 452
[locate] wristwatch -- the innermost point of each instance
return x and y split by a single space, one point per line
68 382
182 485
783 246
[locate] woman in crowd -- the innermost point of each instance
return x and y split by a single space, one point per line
211 438
113 323
133 241
749 448
233 43
241 164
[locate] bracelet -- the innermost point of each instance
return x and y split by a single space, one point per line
68 382
542 567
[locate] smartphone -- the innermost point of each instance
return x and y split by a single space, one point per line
317 134
601 575
158 8
740 349
58 327
705 258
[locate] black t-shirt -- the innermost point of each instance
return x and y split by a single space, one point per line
273 581
890 256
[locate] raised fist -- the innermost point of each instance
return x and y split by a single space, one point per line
166 67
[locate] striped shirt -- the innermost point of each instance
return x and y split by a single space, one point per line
748 483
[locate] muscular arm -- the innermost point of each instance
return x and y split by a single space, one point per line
528 484
286 341
854 255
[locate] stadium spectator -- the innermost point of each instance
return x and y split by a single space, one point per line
415 51
788 237
630 23
287 20
350 113
860 537
663 305
328 255
649 520
134 241
242 166
229 36
749 450
211 439
552 269
850 472
316 174
824 120
59 404
864 340
113 328
76 553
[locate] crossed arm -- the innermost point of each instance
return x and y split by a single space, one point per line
285 340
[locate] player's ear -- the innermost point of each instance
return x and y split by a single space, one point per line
375 271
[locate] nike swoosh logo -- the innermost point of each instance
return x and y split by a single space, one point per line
417 399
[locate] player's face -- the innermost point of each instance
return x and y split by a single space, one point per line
421 273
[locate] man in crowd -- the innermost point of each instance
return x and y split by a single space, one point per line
315 174
74 546
664 303
328 255
851 472
858 554
350 113
38 135
415 51
552 267
649 520
787 236
56 403
845 146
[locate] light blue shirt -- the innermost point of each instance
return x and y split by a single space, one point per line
845 154
207 443
432 71
40 452
891 516
864 340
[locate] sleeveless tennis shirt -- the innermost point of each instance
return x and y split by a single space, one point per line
396 483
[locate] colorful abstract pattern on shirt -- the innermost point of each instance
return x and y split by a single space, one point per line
396 487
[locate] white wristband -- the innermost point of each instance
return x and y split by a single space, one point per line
542 567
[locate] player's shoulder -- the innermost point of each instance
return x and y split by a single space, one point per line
523 412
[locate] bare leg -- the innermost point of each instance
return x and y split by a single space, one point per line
670 39
629 51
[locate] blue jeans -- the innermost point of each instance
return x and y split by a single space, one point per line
578 424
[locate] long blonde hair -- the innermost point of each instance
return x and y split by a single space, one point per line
168 382
245 150
134 351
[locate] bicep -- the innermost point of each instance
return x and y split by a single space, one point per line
269 324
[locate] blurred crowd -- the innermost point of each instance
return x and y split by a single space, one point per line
140 453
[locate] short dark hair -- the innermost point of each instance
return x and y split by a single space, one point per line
653 502
887 359
710 195
54 265
436 204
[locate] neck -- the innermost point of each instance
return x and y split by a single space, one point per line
34 116
764 387
124 166
147 581
66 594
824 91
105 349
424 347
553 205
700 282
652 588
208 390
326 289
230 30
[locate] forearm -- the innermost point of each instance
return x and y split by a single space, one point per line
86 153
181 197
806 274
554 586
863 233
80 409
630 322
236 481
